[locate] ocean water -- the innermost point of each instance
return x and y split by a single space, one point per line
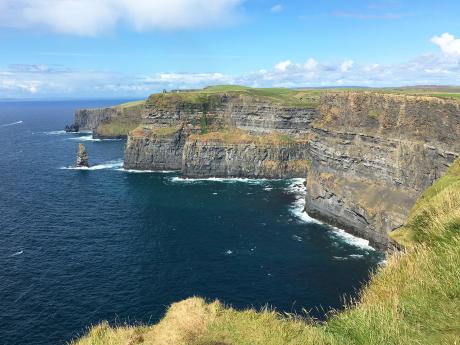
81 246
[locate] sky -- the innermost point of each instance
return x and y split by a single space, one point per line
68 49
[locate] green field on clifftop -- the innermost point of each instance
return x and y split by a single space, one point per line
210 97
413 299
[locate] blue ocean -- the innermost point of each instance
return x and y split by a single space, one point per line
81 246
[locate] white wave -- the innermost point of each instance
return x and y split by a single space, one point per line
90 138
355 256
351 239
298 188
340 258
11 124
55 132
113 165
220 179
17 253
297 238
134 171
228 252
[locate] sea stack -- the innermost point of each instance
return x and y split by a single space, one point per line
82 157
73 128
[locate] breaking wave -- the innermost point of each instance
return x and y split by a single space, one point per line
112 165
134 171
90 138
297 188
55 132
219 179
11 124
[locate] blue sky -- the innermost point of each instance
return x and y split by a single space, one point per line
131 48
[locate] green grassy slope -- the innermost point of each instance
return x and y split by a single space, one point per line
413 299
210 97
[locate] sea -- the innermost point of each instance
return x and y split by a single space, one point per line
79 246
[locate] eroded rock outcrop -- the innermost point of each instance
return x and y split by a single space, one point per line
112 122
82 157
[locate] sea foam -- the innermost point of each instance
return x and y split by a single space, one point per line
297 187
90 138
219 179
112 165
11 124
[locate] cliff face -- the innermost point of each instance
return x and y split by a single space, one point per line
114 122
89 119
373 154
155 148
204 158
367 156
260 117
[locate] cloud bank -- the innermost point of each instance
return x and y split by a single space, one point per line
93 17
18 81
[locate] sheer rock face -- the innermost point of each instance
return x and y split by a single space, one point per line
374 154
89 119
220 159
82 157
146 149
367 158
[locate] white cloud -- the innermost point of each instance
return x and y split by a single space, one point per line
449 45
346 65
92 17
311 64
276 8
283 65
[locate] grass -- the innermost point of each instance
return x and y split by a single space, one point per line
443 196
211 98
238 136
116 128
152 131
413 299
131 104
374 114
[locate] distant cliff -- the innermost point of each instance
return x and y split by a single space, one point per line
113 122
366 156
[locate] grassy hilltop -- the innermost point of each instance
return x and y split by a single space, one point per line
129 115
296 98
413 299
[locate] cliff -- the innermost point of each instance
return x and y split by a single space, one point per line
412 299
113 122
366 156
152 147
373 154
239 154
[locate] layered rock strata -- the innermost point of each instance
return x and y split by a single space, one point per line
152 147
217 158
373 154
